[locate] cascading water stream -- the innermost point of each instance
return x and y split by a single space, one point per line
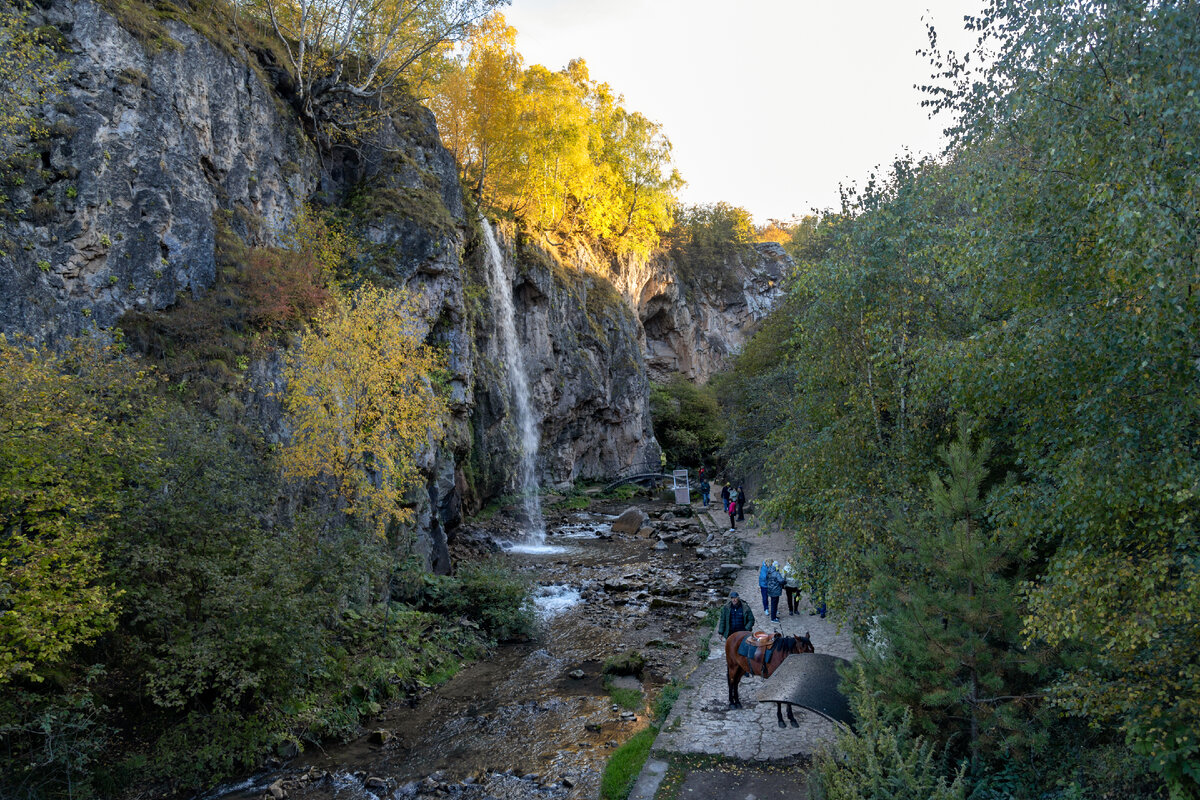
501 291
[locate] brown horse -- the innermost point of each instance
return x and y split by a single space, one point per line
737 665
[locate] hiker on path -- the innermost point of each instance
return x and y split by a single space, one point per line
735 616
731 508
741 503
704 487
762 584
774 589
791 587
724 495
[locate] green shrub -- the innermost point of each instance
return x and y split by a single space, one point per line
884 761
687 422
49 743
626 763
210 745
487 592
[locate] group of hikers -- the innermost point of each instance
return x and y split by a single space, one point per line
733 500
773 581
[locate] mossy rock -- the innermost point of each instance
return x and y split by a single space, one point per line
421 204
629 663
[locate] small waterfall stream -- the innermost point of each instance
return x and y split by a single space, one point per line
500 285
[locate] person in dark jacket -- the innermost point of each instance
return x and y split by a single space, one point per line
741 502
724 495
704 489
735 616
774 588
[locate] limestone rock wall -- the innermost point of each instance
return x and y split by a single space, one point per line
144 149
153 147
695 319
583 356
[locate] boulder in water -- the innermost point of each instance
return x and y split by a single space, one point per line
631 520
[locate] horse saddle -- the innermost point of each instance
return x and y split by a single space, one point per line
756 649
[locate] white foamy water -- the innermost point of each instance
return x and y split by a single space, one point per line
551 601
582 530
500 286
532 549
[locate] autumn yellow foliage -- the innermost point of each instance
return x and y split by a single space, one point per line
66 444
361 402
555 148
30 71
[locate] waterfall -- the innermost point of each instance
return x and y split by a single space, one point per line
500 286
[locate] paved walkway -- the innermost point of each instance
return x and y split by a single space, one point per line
701 721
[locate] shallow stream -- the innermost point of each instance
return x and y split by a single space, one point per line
523 723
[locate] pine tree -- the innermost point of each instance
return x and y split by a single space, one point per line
948 645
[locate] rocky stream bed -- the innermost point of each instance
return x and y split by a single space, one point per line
535 720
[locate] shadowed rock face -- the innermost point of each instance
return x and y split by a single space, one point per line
151 148
144 150
583 355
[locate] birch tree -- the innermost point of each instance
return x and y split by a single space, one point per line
363 47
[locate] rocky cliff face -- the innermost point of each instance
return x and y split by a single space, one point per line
583 356
144 150
154 148
695 318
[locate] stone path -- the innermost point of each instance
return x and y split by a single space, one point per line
701 722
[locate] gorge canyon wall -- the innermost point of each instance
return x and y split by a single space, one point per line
159 150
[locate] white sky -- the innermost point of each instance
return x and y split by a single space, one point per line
769 103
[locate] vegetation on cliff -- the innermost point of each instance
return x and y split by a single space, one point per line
1041 279
687 422
557 149
180 598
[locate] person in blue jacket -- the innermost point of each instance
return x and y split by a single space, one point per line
763 572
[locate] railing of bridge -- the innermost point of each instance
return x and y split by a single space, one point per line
639 469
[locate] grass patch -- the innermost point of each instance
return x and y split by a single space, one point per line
628 699
679 765
487 512
443 673
577 502
623 492
666 700
626 763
